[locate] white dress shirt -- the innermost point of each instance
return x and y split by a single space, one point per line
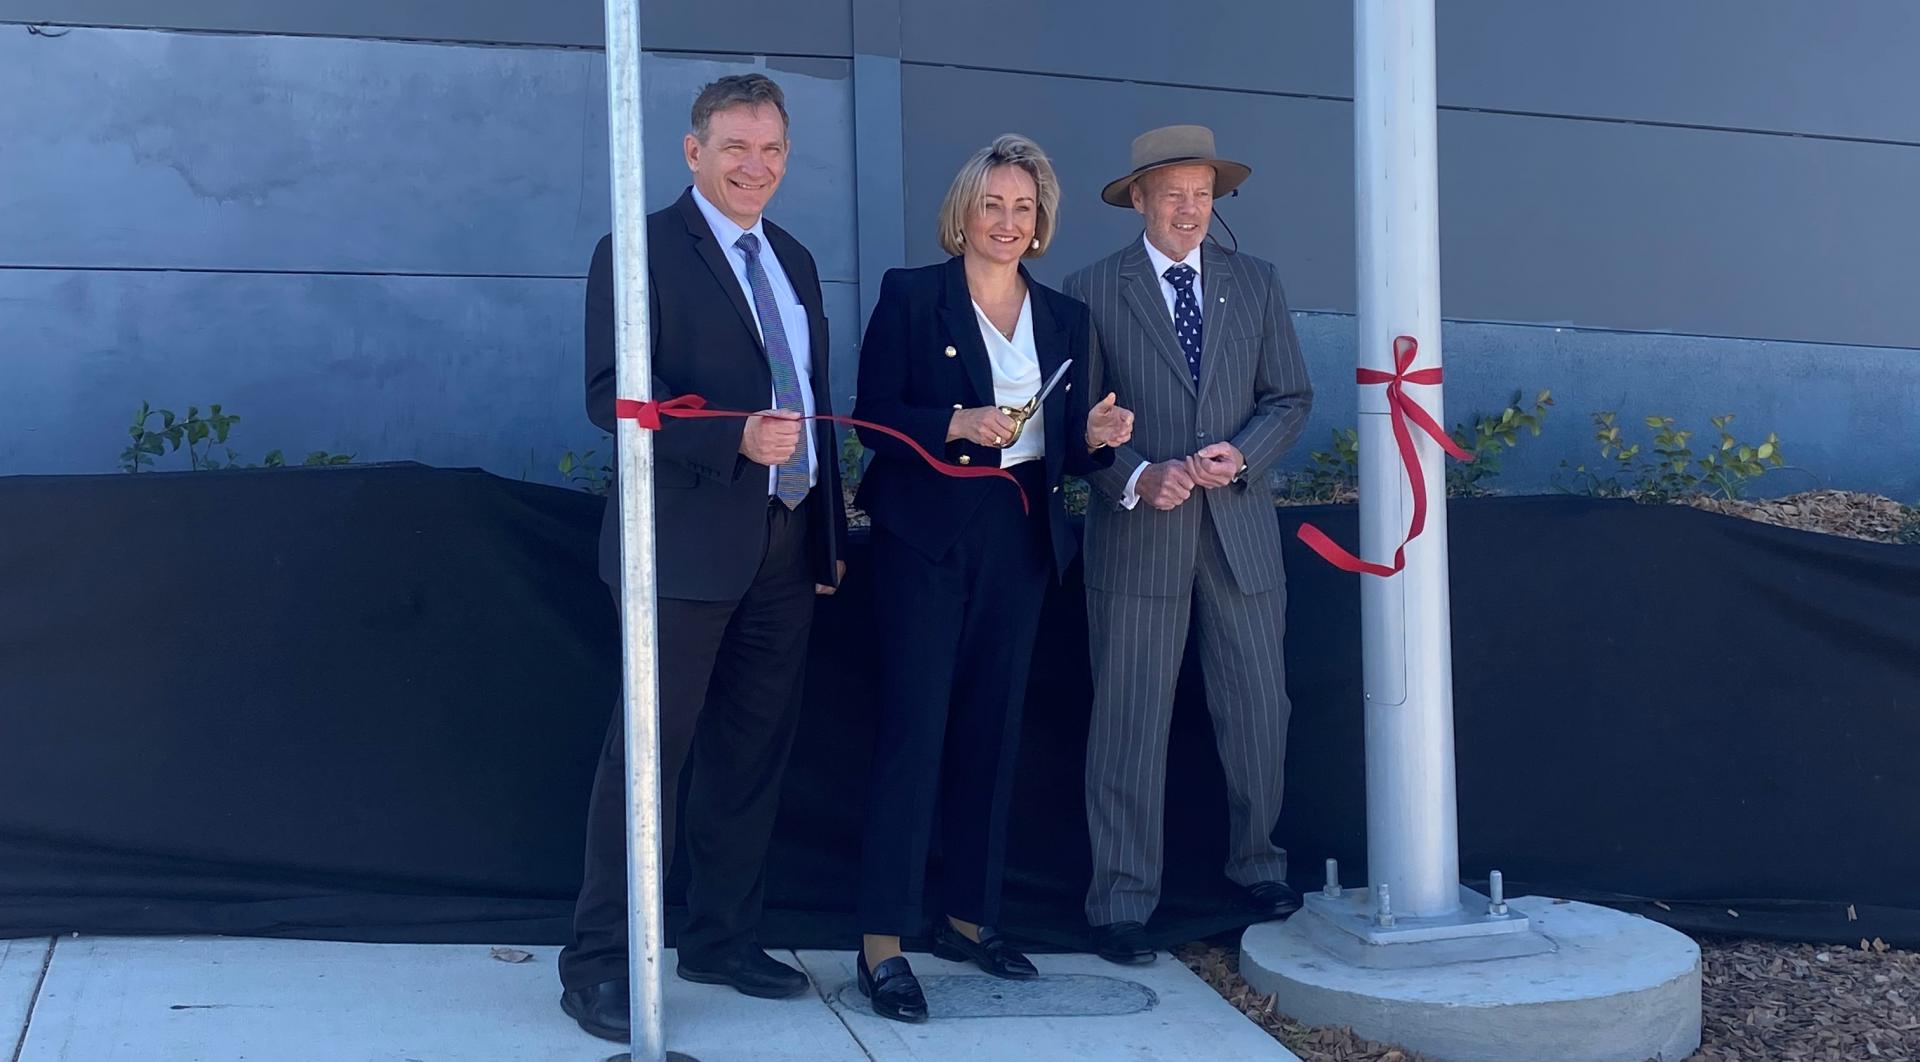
1016 379
793 316
1161 263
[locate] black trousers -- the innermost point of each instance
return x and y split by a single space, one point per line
953 640
730 688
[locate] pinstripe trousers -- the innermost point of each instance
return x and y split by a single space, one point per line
1137 643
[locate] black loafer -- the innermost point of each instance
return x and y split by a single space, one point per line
992 954
601 1009
894 990
1274 898
1124 943
747 970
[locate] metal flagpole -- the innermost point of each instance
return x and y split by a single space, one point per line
1349 957
633 371
1407 643
1413 894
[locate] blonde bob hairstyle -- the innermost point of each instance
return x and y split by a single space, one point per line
969 186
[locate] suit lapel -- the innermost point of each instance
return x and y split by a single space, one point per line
1221 284
1050 343
1142 290
963 331
711 253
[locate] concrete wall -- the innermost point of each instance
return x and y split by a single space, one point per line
751 27
364 241
361 246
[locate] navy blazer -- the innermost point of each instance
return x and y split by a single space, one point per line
710 515
922 359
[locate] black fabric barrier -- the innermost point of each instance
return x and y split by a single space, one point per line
362 703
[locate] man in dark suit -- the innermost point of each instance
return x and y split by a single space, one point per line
750 526
1199 343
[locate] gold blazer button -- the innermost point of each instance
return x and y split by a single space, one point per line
952 353
965 459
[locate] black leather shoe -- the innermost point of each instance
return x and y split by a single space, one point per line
993 954
745 969
1124 943
894 990
1274 898
601 1009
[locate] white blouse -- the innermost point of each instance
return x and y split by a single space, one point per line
1016 379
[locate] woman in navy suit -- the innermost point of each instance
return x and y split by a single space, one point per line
959 569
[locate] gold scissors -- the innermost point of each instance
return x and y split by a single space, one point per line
1021 414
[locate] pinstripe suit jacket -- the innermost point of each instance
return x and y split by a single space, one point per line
1253 392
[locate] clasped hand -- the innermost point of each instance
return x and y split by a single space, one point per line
1167 484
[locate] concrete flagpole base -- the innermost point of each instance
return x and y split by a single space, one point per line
1599 986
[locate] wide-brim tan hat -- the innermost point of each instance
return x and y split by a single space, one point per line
1176 145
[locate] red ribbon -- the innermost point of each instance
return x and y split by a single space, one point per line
1401 408
651 414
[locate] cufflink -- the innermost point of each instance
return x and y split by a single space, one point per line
965 459
952 353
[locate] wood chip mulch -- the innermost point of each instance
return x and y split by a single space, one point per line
1761 1002
1848 514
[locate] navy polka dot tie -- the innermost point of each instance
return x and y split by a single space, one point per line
1186 315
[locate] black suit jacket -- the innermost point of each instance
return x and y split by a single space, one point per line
909 382
710 514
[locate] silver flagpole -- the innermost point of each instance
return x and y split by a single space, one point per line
1406 957
1407 641
633 371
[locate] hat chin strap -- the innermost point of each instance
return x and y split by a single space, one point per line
1235 249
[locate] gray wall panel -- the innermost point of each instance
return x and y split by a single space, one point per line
1835 69
1301 46
791 27
1599 225
1297 209
1785 65
319 155
460 372
457 372
177 150
1660 229
236 153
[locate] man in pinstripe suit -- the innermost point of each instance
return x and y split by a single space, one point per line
1198 342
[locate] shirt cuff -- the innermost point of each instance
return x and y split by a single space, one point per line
1132 497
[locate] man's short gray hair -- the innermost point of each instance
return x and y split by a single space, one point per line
736 90
970 185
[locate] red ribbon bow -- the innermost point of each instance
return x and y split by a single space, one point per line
651 414
1401 408
648 414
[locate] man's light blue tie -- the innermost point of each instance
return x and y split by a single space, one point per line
790 481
